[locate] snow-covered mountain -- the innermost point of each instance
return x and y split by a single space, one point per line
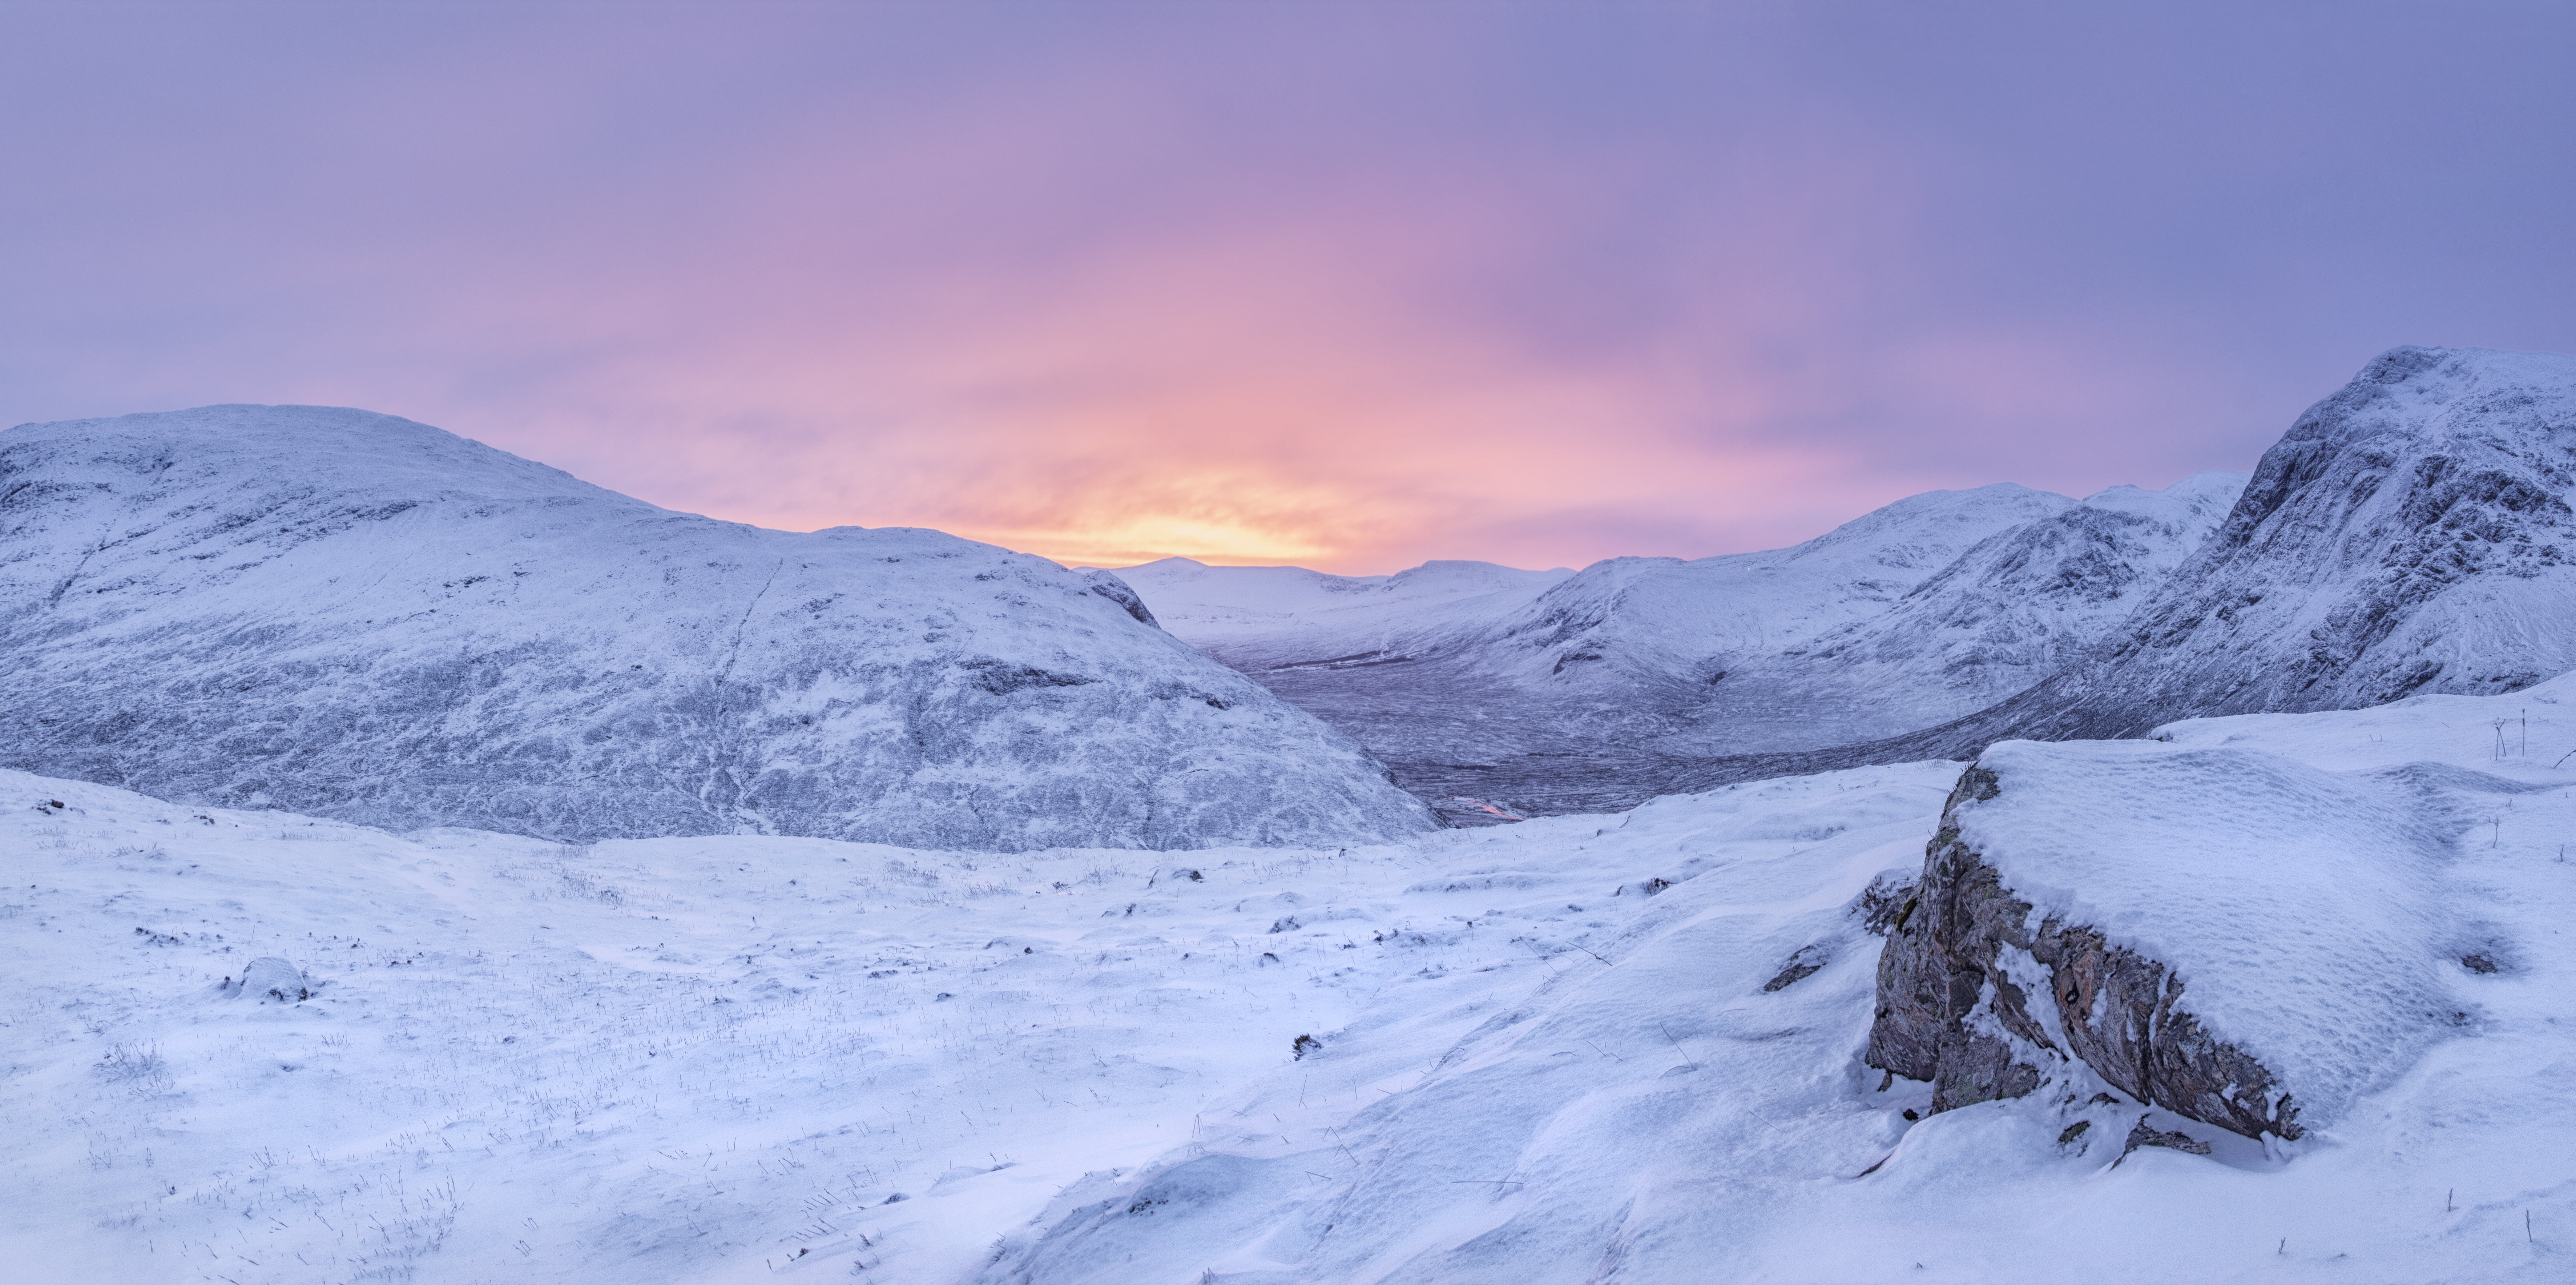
2414 532
1561 692
356 616
2008 612
1611 1048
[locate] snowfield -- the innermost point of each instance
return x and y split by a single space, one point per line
1586 1048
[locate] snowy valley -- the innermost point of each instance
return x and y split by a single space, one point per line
1556 692
425 866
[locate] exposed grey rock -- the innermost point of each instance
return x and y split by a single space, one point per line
1949 1010
1802 964
2142 1135
1109 586
1883 905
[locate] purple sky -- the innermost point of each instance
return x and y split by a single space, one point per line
1351 285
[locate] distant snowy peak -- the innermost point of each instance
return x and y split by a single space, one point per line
1661 619
358 616
1222 607
2203 497
1921 533
2072 568
2422 517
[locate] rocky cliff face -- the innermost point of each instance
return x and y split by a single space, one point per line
360 617
1954 1010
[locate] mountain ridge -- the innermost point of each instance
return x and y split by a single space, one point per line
2410 532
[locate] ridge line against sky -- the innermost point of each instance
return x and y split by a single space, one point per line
1348 287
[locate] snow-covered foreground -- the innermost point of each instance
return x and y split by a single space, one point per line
1546 1054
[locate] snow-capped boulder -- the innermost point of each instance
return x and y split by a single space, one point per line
273 980
2233 936
360 617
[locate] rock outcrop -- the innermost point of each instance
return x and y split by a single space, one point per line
1956 1005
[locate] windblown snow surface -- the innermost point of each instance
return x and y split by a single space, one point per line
357 616
1541 1053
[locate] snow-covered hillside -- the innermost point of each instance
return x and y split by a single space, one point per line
1548 692
2008 612
361 617
1607 1048
2415 532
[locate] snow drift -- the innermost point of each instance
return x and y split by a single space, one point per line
356 616
1654 1109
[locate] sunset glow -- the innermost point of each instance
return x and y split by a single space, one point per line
1351 288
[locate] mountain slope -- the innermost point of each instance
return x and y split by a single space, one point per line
2413 533
1574 692
2007 613
360 617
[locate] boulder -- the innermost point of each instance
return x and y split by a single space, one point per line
2234 937
272 979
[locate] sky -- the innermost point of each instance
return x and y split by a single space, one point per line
1346 285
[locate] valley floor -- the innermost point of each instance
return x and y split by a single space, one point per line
1541 1052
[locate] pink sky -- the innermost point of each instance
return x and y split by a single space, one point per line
1345 286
